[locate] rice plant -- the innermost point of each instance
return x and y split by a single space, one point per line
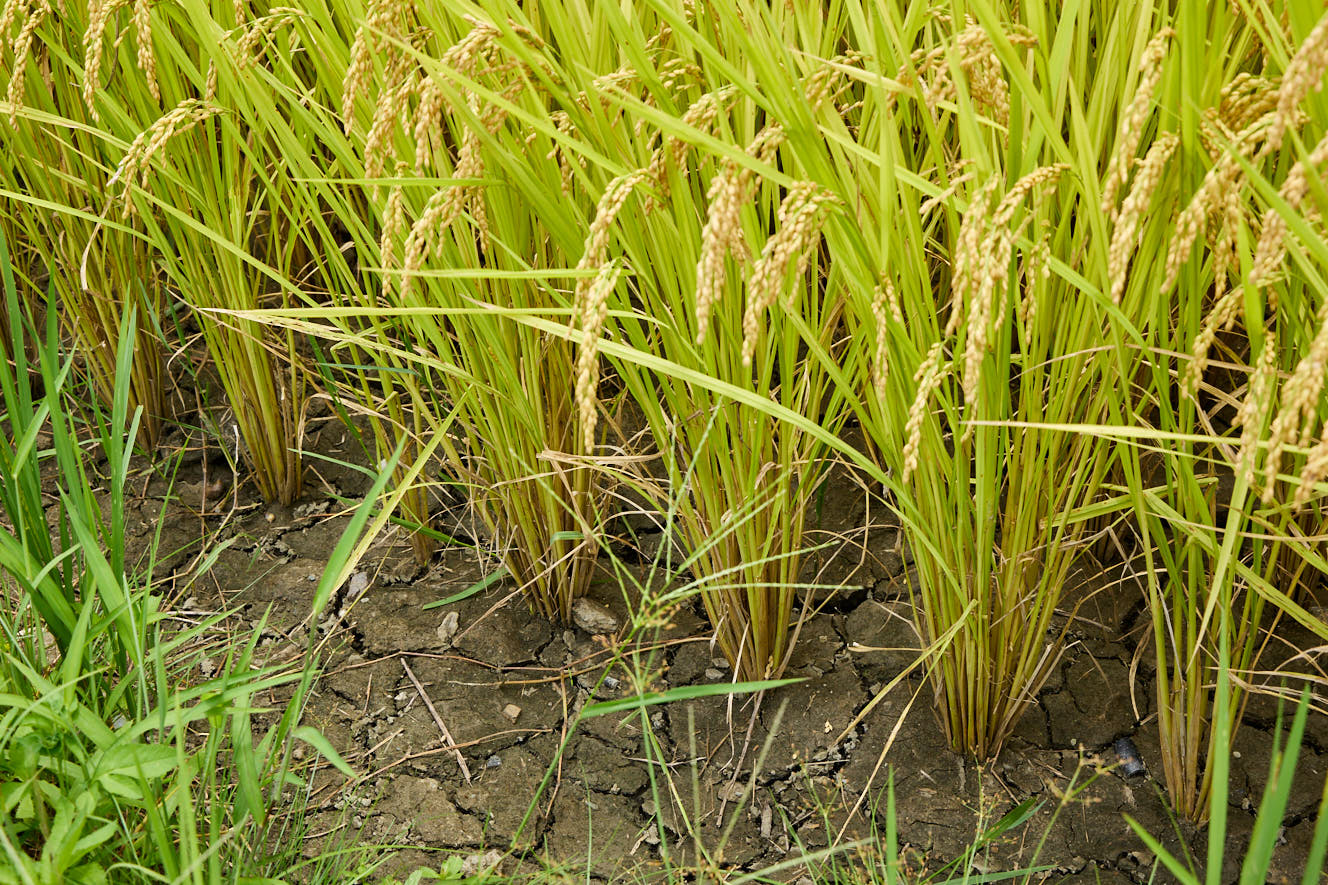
54 174
1062 263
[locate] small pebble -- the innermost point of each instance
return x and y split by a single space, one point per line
493 762
359 582
593 617
713 675
512 711
448 628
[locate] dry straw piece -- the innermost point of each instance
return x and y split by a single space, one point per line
798 223
1132 120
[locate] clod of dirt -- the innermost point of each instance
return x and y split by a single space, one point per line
592 617
817 713
884 641
616 845
501 796
418 807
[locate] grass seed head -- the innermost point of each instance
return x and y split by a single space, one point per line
1132 120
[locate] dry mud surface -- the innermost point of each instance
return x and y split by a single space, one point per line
753 784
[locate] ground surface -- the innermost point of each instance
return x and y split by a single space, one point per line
507 688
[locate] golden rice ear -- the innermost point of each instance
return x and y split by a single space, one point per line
147 58
37 12
722 235
1297 416
1271 251
381 22
885 308
700 115
1132 120
593 313
1315 472
592 299
1125 235
136 163
929 376
798 225
1254 407
394 221
1303 75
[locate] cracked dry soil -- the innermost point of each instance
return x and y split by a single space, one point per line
506 687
